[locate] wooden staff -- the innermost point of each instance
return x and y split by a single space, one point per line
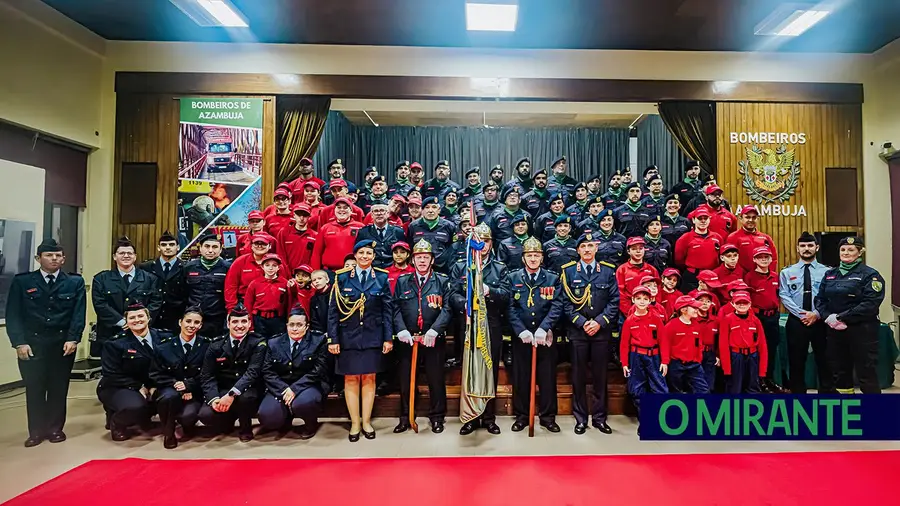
412 387
533 390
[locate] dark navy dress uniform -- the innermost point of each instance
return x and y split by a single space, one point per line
440 237
173 292
657 253
558 253
302 367
360 320
419 308
578 211
205 288
854 298
534 304
510 252
536 203
613 200
630 222
110 295
590 293
673 228
611 248
174 362
545 226
126 366
236 371
384 239
45 316
501 223
589 225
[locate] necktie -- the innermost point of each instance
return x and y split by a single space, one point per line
381 235
421 281
51 278
127 279
235 344
533 278
295 349
187 348
589 270
166 268
146 344
807 288
363 277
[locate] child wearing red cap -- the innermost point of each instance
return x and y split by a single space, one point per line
282 216
742 347
268 299
682 336
630 274
651 283
763 283
299 287
698 249
709 325
669 292
400 252
640 349
730 270
256 222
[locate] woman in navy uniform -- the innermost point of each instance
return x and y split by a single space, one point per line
610 244
848 300
360 331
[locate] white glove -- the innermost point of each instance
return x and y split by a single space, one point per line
430 338
540 336
405 337
832 320
526 336
485 288
840 326
549 339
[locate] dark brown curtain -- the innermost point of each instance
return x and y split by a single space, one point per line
302 121
693 125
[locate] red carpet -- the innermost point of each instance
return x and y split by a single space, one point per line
668 480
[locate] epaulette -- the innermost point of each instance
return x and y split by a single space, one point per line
607 264
570 264
120 335
164 340
379 269
262 343
217 338
441 275
341 271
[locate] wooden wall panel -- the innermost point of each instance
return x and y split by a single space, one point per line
833 139
147 131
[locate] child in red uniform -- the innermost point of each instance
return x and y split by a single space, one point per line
685 349
629 274
730 270
763 283
640 349
299 287
400 252
267 299
742 347
669 293
710 330
707 282
651 283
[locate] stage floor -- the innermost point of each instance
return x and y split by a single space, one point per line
24 468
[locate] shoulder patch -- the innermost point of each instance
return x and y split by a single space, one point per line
379 269
570 264
345 269
607 264
262 344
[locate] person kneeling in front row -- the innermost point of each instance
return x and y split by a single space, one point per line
296 376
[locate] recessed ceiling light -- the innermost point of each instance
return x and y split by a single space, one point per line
212 12
491 17
790 21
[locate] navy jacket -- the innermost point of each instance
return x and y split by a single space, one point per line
534 306
111 296
433 298
392 233
600 305
126 364
225 367
368 326
173 292
308 369
206 287
40 314
172 365
855 297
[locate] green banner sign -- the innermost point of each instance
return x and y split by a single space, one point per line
238 112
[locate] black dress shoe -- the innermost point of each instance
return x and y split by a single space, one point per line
467 428
33 441
170 442
401 427
57 437
551 426
307 430
580 428
437 427
492 428
602 427
368 435
246 436
119 434
518 426
353 437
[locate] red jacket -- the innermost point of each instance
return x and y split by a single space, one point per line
698 252
243 270
709 326
721 221
747 242
742 332
668 300
628 276
297 184
683 340
643 331
314 210
334 242
301 296
268 296
326 215
296 247
763 289
276 222
726 276
394 273
715 299
243 245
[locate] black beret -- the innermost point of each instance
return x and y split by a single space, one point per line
519 217
596 200
652 218
430 200
453 191
691 164
654 178
336 161
378 178
444 163
673 196
508 191
807 237
579 185
708 179
617 172
473 170
632 185
650 168
209 236
557 196
523 160
598 177
490 184
167 237
588 237
368 170
852 241
404 163
557 162
538 173
563 219
298 311
49 245
497 167
604 213
238 311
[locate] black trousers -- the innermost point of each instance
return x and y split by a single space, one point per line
433 360
495 328
545 377
799 337
46 378
856 347
772 330
243 409
126 407
173 408
596 351
269 327
213 326
688 282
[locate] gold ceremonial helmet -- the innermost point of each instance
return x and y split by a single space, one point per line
483 231
422 246
532 245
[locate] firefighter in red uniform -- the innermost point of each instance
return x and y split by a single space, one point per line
748 238
721 220
669 292
307 175
707 281
641 349
339 190
336 239
735 287
763 283
313 199
272 209
682 336
245 269
257 223
268 299
299 287
296 243
283 216
697 250
400 253
709 325
742 347
630 274
730 270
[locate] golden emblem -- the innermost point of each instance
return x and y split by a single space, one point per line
770 175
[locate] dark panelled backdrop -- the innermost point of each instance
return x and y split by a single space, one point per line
589 150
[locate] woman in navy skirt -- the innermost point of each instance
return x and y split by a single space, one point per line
360 332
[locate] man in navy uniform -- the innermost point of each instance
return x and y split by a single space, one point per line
44 320
204 279
401 185
559 181
176 374
536 200
441 183
631 218
510 250
545 224
534 308
591 302
383 233
168 269
687 188
473 186
422 313
488 203
615 195
126 388
114 290
295 371
501 222
231 376
437 231
523 178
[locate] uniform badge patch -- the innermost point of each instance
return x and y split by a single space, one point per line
877 285
517 296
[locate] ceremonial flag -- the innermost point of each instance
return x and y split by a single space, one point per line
477 369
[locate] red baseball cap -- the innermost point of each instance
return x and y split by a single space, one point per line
640 289
343 200
415 200
671 271
713 189
738 285
283 192
312 183
305 161
271 256
702 293
762 250
301 207
741 297
416 165
262 237
648 279
399 198
700 211
710 278
304 268
400 244
337 183
749 209
255 215
684 301
633 241
728 247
